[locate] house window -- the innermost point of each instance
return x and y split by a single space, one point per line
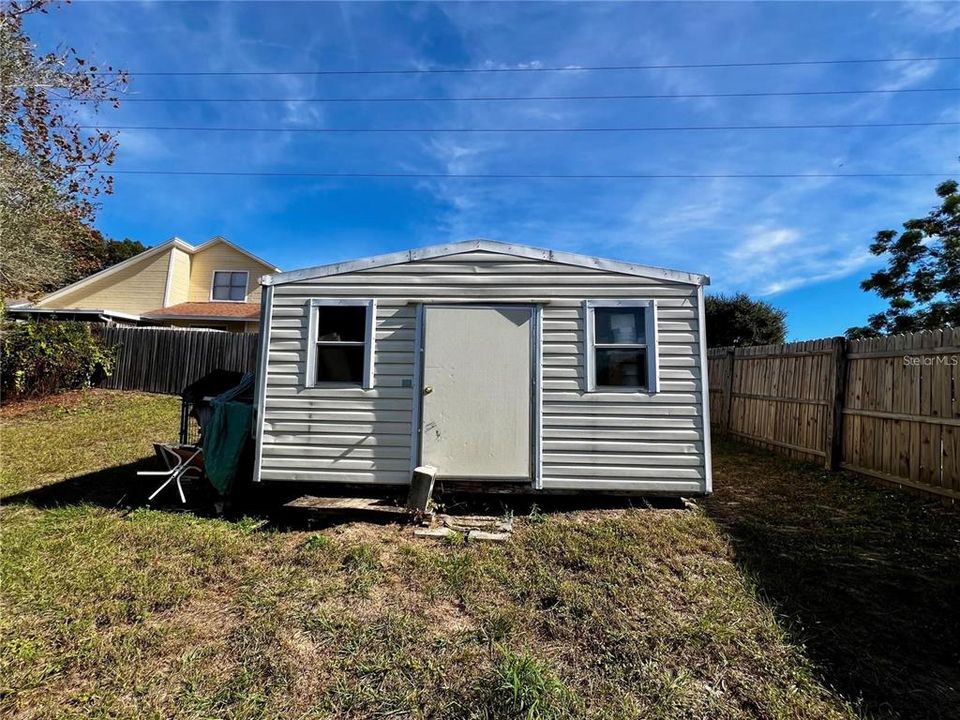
229 285
620 349
340 349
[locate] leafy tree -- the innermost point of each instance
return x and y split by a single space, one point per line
739 320
34 222
116 251
92 253
51 169
922 277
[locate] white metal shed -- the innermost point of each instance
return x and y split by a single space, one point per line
496 363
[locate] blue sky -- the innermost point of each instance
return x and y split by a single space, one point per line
800 243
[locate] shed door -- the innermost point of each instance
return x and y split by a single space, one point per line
477 387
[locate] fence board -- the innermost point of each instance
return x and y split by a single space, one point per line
165 360
886 407
777 395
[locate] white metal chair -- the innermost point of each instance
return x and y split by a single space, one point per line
183 463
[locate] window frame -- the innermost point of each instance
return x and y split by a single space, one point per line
650 345
369 339
246 285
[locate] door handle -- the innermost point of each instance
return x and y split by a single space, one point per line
427 390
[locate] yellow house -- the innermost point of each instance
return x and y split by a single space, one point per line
213 285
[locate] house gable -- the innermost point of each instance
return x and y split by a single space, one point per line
168 274
133 286
220 254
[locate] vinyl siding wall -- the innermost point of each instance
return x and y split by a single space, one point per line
602 441
136 289
223 257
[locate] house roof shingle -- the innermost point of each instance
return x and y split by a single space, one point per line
207 310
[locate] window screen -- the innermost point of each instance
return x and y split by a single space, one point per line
341 330
620 349
228 285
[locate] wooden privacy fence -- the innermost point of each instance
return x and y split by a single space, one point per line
165 360
886 407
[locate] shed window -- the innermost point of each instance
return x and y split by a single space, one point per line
620 348
341 343
229 285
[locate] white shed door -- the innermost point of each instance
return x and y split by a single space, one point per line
477 385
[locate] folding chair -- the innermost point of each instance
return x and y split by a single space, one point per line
184 462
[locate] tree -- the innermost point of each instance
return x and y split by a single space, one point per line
922 277
93 253
116 251
34 222
51 169
739 321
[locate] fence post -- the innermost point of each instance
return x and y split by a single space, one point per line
728 362
838 387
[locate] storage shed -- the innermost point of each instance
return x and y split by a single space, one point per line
505 366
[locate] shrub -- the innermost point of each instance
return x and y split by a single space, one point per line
43 357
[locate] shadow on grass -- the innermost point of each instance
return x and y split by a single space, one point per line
866 578
119 488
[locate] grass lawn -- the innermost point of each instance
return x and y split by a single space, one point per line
788 594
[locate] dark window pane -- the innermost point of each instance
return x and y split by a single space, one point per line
229 285
619 325
340 363
341 322
621 368
238 285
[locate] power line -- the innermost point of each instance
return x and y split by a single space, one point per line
528 68
528 176
502 98
646 128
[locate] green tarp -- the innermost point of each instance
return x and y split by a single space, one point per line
224 439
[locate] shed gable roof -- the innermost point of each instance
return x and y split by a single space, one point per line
491 246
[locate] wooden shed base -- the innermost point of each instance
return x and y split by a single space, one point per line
349 506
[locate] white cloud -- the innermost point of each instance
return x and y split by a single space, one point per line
932 16
831 270
494 65
137 145
772 260
910 74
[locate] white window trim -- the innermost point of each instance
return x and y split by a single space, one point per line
589 346
369 338
246 284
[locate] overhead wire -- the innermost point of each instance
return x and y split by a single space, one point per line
527 68
528 176
622 129
519 98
